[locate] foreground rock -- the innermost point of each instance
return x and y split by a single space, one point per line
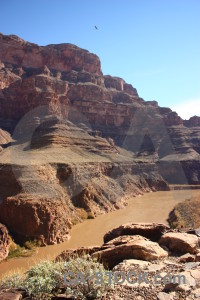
128 247
152 231
180 242
123 247
13 294
171 283
4 242
147 271
157 274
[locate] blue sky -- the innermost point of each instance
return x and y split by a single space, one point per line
152 44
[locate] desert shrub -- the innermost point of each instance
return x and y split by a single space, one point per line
47 278
88 267
19 251
82 213
75 221
27 249
43 279
14 280
31 245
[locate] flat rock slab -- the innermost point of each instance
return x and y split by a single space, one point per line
165 296
191 265
135 262
152 231
155 267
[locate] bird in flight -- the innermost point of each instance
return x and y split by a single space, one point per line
96 27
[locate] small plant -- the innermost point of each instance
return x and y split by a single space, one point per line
25 250
31 245
88 267
90 215
19 251
12 281
75 221
44 279
82 213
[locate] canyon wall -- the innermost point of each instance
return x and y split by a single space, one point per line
74 143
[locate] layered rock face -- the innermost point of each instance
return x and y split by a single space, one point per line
63 57
80 140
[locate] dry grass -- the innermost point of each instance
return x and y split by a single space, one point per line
186 214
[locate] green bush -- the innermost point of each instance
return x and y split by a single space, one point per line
47 278
31 245
12 281
19 251
43 279
88 267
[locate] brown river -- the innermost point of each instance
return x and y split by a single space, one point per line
151 207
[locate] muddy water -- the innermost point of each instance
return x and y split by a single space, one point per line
151 207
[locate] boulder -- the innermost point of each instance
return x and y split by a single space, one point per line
152 231
129 247
12 294
180 242
4 242
187 258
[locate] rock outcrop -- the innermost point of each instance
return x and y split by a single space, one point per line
63 57
128 247
144 270
118 249
4 242
80 138
192 122
44 219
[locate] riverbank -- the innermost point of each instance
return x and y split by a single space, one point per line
151 207
145 261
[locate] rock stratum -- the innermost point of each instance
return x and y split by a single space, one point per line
75 143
